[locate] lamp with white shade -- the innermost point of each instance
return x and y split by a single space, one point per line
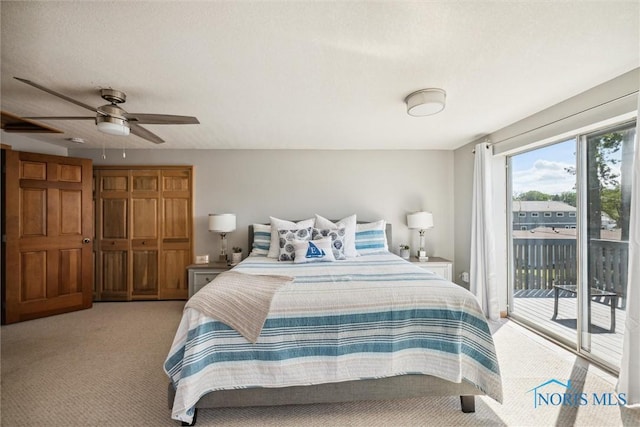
223 224
420 221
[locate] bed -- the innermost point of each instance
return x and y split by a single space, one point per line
374 327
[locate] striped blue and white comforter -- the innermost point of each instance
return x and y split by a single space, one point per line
369 317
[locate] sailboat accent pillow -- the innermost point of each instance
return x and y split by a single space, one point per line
313 251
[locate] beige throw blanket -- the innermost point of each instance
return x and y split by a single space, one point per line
239 300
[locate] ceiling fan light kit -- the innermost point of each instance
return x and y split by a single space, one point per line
426 102
112 125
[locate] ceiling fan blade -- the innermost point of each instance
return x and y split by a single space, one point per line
162 119
63 118
59 95
138 130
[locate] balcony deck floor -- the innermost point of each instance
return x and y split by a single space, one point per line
537 308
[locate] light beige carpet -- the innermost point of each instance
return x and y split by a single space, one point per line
103 367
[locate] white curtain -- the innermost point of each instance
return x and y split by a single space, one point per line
483 253
629 379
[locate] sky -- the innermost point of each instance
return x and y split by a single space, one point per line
544 169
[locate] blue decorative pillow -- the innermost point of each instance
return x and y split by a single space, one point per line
371 238
287 240
261 240
337 236
313 251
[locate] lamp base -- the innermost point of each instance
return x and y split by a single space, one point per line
223 258
422 256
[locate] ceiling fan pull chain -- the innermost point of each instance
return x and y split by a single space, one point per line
124 154
104 154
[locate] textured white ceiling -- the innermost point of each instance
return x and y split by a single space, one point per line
311 75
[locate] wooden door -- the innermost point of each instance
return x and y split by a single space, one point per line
177 228
112 235
49 230
145 228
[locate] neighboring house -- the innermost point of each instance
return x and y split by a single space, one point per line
528 215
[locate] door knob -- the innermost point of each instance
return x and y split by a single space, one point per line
86 240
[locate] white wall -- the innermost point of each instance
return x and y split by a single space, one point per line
296 184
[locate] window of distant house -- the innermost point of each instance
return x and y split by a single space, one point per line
572 214
522 214
535 214
547 214
523 227
559 213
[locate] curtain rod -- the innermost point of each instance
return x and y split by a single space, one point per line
489 145
560 119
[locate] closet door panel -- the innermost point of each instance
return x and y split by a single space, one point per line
114 275
145 215
174 267
177 219
114 219
144 219
145 273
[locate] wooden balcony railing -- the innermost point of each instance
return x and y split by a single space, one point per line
541 263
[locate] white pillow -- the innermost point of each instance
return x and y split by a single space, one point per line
349 224
261 240
371 238
276 224
313 251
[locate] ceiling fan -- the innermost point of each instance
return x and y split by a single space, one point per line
112 119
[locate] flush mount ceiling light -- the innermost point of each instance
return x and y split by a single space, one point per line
425 102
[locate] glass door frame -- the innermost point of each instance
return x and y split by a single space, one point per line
562 341
582 344
583 240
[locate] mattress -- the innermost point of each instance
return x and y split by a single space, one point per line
373 316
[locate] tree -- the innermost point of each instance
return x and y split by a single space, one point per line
568 197
533 195
604 193
611 202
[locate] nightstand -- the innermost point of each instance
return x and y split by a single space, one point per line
440 266
201 274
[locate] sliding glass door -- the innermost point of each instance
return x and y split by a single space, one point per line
607 177
570 205
543 231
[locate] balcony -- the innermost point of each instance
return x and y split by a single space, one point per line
542 262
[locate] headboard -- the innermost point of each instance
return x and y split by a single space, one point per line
387 232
